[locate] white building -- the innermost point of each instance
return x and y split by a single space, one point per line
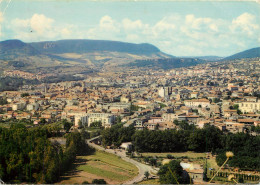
33 106
106 119
165 91
197 102
249 106
18 106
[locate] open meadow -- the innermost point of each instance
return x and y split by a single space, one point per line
100 165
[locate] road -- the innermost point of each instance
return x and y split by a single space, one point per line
141 167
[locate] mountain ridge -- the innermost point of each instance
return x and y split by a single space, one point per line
86 45
14 48
249 53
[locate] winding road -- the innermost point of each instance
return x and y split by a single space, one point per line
141 167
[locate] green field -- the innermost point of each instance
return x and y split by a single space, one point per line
181 154
101 165
150 181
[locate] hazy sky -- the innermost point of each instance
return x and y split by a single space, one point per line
189 28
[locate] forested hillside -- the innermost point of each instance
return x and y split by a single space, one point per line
28 156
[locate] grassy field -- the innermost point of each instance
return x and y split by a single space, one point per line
150 181
100 165
164 155
92 129
212 163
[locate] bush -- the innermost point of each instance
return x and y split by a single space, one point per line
169 156
99 181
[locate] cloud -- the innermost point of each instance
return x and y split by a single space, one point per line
185 35
41 24
1 17
1 20
245 23
107 23
130 25
38 28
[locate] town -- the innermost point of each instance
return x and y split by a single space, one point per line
225 95
129 92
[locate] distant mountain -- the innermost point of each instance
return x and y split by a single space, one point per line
88 46
251 53
210 58
206 58
15 48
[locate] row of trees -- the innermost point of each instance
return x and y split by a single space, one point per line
198 140
13 83
117 134
27 155
188 138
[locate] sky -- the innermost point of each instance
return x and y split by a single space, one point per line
179 28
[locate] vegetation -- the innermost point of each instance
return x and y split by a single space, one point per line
245 148
99 181
166 63
13 83
146 174
61 78
117 134
255 129
27 155
3 101
108 167
150 181
66 125
189 138
16 64
97 124
134 108
24 94
172 173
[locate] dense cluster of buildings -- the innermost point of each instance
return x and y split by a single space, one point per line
224 94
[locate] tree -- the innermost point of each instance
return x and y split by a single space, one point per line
80 125
146 174
3 101
85 182
241 180
42 121
172 173
67 125
96 124
99 181
216 100
118 119
24 94
153 161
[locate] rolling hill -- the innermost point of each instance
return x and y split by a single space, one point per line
80 51
90 54
250 53
15 48
88 46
